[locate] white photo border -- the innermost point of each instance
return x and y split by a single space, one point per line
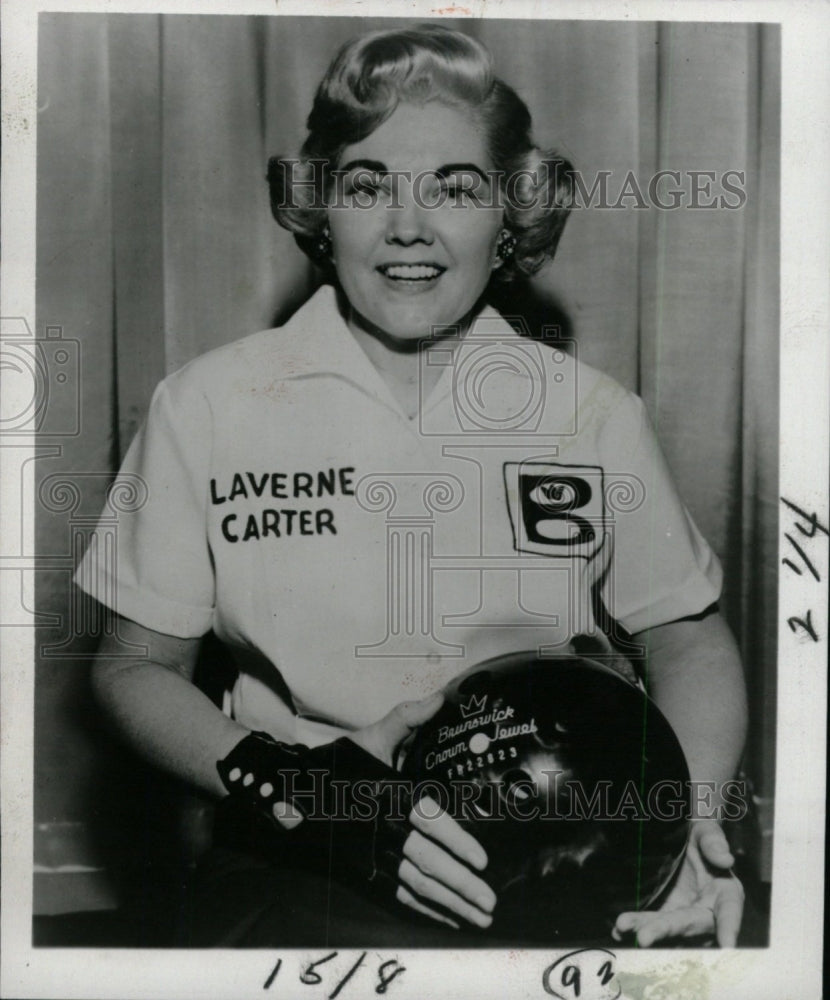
791 965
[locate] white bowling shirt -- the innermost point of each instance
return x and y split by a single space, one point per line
361 558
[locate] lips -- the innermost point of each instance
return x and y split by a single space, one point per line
411 272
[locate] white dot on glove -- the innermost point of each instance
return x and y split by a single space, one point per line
266 790
248 780
235 774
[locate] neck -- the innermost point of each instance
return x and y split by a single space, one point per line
397 360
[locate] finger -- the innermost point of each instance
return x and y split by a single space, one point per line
627 922
433 891
432 821
393 728
714 847
287 815
683 921
382 738
433 861
690 921
729 911
405 896
633 921
408 715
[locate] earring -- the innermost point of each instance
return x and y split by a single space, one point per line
506 245
323 244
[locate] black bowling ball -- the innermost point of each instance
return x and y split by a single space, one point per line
571 779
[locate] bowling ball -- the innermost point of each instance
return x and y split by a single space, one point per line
570 778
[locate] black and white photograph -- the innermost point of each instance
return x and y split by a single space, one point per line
415 518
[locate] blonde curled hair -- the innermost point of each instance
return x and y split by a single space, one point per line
364 84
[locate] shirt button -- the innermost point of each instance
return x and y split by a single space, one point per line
433 659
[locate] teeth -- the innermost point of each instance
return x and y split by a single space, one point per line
411 272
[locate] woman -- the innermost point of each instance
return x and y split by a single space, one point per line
333 499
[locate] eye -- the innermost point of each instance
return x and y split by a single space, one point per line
365 187
363 181
461 189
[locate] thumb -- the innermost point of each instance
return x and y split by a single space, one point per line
713 845
384 737
403 718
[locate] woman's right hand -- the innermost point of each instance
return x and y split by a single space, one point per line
148 695
439 867
440 859
437 875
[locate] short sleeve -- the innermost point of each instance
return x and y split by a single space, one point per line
662 568
155 567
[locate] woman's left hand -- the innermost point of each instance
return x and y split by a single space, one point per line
707 899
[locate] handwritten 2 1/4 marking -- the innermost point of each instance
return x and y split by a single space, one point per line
807 526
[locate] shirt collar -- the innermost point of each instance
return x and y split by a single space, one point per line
320 344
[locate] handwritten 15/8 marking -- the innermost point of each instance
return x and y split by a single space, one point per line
586 974
386 972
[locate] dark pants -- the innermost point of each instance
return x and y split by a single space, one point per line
252 891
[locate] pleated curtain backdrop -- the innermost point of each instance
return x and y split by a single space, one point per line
155 244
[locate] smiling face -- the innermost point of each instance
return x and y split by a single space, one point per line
413 243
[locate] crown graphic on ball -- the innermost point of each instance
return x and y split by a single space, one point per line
473 707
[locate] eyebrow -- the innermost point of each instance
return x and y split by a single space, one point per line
376 166
446 170
462 168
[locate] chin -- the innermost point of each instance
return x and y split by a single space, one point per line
408 321
421 326
405 328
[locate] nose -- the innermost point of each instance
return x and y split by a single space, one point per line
408 221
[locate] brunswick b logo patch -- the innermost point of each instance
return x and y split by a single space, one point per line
555 510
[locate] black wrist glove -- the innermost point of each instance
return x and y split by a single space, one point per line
355 808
